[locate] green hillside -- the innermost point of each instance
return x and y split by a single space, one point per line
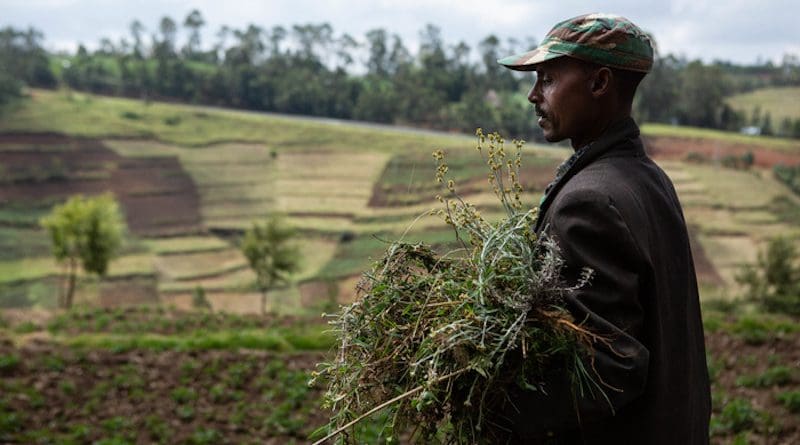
779 102
334 181
192 178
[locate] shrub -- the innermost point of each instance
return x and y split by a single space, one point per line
695 157
205 436
741 162
737 416
183 395
774 280
172 120
775 376
791 400
132 115
788 175
26 327
199 300
9 363
752 331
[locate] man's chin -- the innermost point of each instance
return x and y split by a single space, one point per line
551 137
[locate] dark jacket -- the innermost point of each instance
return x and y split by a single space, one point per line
616 212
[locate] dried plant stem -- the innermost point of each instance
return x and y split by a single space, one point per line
374 410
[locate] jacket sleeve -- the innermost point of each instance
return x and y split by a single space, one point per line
591 232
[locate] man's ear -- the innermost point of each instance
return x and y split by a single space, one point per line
601 81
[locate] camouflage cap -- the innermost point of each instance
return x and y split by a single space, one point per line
605 39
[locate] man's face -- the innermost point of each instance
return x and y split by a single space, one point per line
562 98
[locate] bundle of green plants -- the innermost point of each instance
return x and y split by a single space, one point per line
434 342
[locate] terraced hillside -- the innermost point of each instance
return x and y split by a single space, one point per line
192 179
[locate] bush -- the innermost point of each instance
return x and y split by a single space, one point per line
199 300
130 115
172 120
695 157
774 280
775 376
788 175
737 416
741 162
8 363
791 400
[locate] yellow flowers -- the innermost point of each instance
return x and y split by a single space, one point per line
503 177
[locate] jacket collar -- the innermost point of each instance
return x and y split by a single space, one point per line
623 134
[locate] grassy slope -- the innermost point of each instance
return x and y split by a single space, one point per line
780 102
771 143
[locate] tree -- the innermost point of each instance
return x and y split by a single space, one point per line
86 230
703 88
270 254
658 95
193 23
378 61
9 88
766 125
23 60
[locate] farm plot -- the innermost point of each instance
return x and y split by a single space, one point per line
196 265
242 183
234 181
54 168
408 178
149 374
135 376
33 280
320 191
186 265
732 213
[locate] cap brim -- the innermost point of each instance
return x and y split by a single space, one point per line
527 61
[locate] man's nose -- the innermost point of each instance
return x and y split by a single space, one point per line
533 95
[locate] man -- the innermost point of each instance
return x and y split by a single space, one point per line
612 209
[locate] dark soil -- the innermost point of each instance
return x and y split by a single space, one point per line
736 357
158 197
212 397
51 394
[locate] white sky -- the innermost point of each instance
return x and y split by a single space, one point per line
741 31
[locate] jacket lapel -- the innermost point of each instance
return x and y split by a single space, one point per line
620 131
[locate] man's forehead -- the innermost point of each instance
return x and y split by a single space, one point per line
552 65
